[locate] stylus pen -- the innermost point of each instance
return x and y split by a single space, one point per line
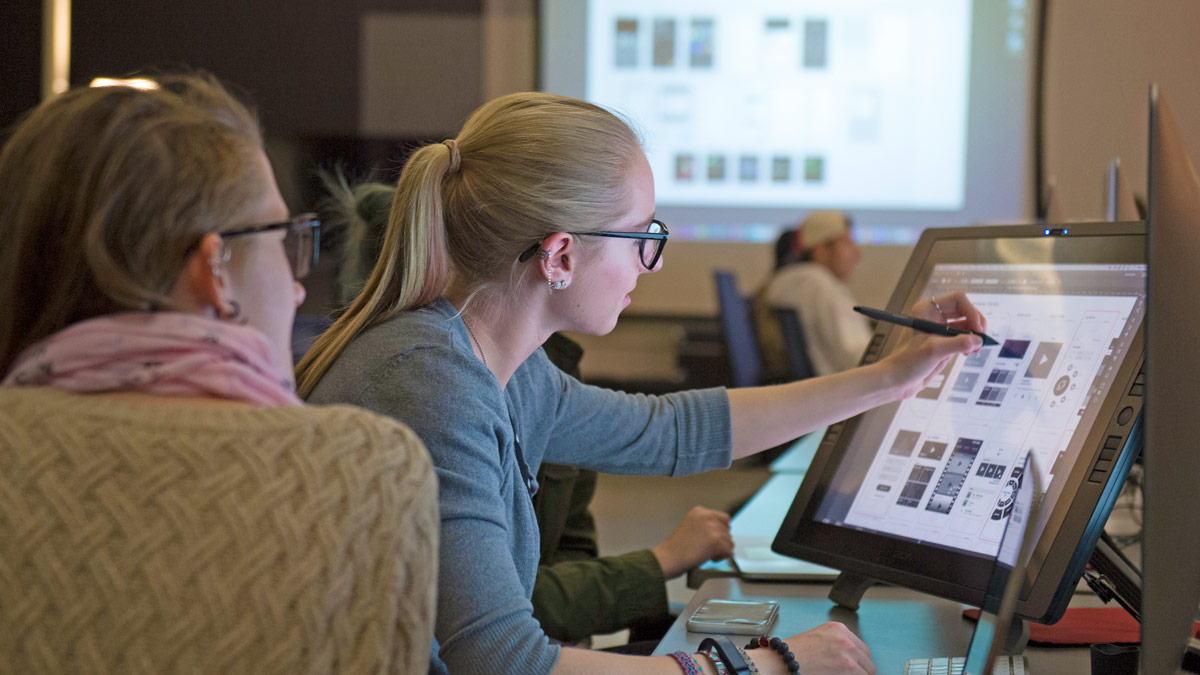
931 327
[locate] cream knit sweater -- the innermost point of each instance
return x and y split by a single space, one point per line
147 537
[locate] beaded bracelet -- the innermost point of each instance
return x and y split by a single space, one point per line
789 659
685 661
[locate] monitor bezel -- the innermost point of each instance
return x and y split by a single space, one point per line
1058 560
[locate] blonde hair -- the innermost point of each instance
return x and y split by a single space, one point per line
528 165
104 191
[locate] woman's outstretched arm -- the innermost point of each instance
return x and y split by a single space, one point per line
763 417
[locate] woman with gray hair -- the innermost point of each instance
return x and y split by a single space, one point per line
167 504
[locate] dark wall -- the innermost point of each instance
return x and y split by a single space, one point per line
20 59
297 59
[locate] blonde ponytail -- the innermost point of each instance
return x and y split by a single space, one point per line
524 166
412 270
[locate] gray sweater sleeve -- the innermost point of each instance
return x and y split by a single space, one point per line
595 428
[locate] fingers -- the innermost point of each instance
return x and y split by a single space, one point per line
831 648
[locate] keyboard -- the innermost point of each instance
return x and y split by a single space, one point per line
1005 665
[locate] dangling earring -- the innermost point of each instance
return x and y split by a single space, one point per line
234 313
555 285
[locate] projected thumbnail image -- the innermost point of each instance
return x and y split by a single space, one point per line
781 169
700 49
748 168
685 167
914 487
664 43
814 169
958 467
626 43
816 44
716 167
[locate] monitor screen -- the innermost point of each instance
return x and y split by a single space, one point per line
917 492
904 114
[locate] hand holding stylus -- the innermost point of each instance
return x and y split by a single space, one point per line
922 325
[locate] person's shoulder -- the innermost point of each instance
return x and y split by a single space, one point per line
414 352
429 326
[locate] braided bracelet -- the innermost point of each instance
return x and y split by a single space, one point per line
789 659
685 661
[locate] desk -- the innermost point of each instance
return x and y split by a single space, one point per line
797 458
896 623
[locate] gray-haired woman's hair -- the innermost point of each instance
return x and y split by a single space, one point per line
103 191
529 165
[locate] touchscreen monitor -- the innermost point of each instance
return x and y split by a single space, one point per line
917 492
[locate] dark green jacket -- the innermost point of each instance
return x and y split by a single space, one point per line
577 593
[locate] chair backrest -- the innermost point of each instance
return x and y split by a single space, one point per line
794 342
302 541
741 346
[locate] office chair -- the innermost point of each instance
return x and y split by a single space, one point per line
741 346
793 339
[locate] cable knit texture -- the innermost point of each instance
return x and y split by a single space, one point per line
146 537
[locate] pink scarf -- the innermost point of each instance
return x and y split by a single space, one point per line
167 353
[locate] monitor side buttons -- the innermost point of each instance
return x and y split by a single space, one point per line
1125 415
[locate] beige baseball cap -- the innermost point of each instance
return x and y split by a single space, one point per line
820 227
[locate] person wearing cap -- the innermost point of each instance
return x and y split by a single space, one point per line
812 265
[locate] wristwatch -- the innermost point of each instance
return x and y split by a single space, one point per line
729 654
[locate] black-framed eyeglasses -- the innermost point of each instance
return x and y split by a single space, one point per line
301 242
656 232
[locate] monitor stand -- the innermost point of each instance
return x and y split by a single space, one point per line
848 590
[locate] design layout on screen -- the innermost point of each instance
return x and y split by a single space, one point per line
948 465
773 102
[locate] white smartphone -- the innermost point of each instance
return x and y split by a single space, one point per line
734 617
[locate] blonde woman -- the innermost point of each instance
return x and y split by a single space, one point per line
169 505
539 217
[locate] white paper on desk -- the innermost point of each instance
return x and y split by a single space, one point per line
754 528
755 560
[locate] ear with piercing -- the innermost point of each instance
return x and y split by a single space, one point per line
217 262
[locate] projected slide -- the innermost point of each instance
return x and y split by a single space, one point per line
950 459
778 103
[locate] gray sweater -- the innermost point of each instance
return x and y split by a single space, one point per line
486 444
